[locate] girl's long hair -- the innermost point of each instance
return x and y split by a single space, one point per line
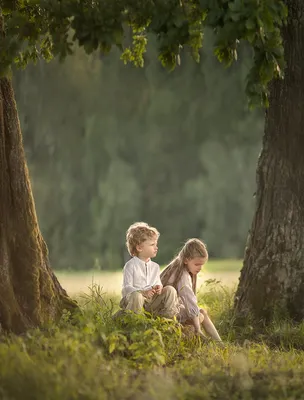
192 248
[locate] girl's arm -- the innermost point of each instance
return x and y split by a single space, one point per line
194 318
197 324
185 292
193 312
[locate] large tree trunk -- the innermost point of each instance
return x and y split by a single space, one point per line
30 294
272 277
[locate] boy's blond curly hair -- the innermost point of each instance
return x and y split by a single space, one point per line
137 234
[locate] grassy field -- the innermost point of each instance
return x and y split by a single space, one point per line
226 271
94 356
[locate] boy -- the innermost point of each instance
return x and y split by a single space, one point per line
141 276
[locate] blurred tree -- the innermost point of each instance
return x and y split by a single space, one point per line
153 112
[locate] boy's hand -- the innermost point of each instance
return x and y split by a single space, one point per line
148 293
158 289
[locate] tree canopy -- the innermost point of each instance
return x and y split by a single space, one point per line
48 28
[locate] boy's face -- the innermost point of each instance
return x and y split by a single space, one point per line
148 248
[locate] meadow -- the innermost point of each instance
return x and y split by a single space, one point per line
225 271
92 355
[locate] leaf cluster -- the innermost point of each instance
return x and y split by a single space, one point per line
49 28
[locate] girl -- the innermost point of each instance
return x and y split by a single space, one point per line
181 273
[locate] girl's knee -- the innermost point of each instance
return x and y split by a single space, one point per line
169 290
204 312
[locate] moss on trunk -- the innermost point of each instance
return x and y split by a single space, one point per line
30 294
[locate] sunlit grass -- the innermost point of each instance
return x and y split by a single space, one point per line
226 271
227 265
213 265
95 356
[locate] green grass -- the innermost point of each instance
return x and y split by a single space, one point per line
227 265
93 356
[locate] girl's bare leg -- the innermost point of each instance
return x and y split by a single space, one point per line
208 326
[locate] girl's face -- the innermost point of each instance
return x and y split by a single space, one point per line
195 265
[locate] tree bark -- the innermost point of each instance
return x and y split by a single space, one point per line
30 294
272 278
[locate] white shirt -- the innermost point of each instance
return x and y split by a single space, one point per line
188 301
139 275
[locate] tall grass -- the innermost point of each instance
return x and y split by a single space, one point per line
94 355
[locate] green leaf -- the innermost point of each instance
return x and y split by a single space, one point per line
111 347
250 24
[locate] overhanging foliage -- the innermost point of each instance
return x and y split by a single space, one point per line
42 28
